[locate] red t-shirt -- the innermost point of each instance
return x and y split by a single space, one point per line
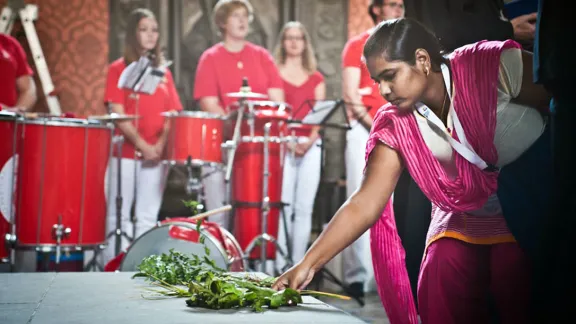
13 64
301 98
220 72
352 57
150 107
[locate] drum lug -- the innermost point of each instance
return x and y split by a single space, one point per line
59 231
10 240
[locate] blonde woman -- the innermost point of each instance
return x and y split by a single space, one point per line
303 85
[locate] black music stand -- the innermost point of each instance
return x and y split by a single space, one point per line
323 114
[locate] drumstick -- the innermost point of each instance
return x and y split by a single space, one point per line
210 212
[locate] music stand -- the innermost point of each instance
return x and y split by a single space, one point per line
140 77
322 114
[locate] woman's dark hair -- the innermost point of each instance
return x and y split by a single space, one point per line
131 46
398 40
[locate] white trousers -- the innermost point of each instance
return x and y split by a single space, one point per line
150 181
301 178
215 194
356 258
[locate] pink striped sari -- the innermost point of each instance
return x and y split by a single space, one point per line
475 69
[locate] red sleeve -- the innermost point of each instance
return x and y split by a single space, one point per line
318 78
352 54
113 93
174 98
274 78
205 84
22 67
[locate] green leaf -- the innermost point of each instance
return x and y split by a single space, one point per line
206 250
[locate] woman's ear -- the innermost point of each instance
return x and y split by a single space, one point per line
423 61
422 57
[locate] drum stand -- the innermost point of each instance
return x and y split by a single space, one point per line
118 233
264 237
231 147
194 185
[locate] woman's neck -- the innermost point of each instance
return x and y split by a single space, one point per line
293 62
436 97
234 45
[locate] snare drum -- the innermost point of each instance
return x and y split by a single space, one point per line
180 234
61 181
8 168
196 134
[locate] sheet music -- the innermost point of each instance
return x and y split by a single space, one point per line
141 77
319 112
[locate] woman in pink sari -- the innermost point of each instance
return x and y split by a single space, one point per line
453 122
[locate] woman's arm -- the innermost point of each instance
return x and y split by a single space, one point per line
355 217
276 94
131 134
531 94
319 94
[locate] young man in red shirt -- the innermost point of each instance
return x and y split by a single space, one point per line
364 99
221 70
18 91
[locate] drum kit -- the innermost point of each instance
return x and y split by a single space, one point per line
52 194
251 156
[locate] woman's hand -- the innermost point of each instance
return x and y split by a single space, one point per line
302 148
297 277
149 152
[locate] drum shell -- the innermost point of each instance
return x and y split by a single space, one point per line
62 174
247 193
195 134
8 168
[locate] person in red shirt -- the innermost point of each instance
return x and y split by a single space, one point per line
145 137
303 85
221 69
18 91
363 100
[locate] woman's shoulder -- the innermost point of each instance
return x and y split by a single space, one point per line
485 47
316 78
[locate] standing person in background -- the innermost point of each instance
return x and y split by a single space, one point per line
17 90
221 69
145 138
364 99
457 23
555 69
303 85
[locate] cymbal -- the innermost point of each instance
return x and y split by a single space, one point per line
246 95
114 117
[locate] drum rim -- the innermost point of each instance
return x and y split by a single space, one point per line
236 245
8 115
178 223
196 114
65 122
269 103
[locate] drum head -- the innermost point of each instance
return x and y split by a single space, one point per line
161 239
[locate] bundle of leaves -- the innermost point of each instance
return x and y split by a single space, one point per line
206 285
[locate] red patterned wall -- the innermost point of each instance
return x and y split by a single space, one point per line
74 38
358 18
